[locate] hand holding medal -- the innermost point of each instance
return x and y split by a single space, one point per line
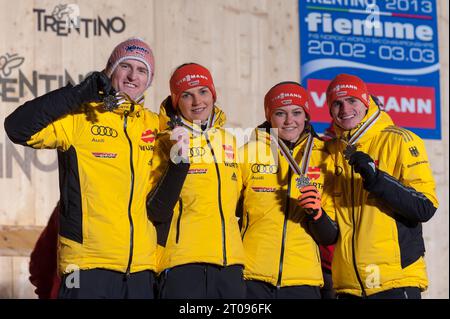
109 101
349 150
310 201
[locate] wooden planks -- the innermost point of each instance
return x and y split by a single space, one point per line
14 281
18 240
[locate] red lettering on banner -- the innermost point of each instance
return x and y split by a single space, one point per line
408 106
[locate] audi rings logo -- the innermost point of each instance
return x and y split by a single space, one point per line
196 151
264 169
103 131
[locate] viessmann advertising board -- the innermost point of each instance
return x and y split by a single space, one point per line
391 44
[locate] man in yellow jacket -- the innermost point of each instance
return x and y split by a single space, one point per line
384 190
105 141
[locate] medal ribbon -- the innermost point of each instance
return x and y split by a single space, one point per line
123 97
291 161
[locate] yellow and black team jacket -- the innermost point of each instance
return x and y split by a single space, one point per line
380 244
278 236
104 170
201 226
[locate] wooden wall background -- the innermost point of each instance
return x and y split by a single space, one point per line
248 45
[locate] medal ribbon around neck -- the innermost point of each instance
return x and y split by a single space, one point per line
351 147
363 129
302 180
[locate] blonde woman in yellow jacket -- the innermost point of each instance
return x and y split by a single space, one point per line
193 204
107 246
384 189
283 223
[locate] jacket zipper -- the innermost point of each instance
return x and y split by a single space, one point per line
222 218
180 211
130 218
353 238
283 240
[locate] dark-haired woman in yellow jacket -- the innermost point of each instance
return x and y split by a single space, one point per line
283 222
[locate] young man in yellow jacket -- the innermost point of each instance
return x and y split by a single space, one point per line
282 224
197 189
107 246
384 190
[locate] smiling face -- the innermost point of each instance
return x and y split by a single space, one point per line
347 112
290 122
130 77
196 104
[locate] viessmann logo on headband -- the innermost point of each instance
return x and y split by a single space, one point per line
340 87
193 79
282 96
287 98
